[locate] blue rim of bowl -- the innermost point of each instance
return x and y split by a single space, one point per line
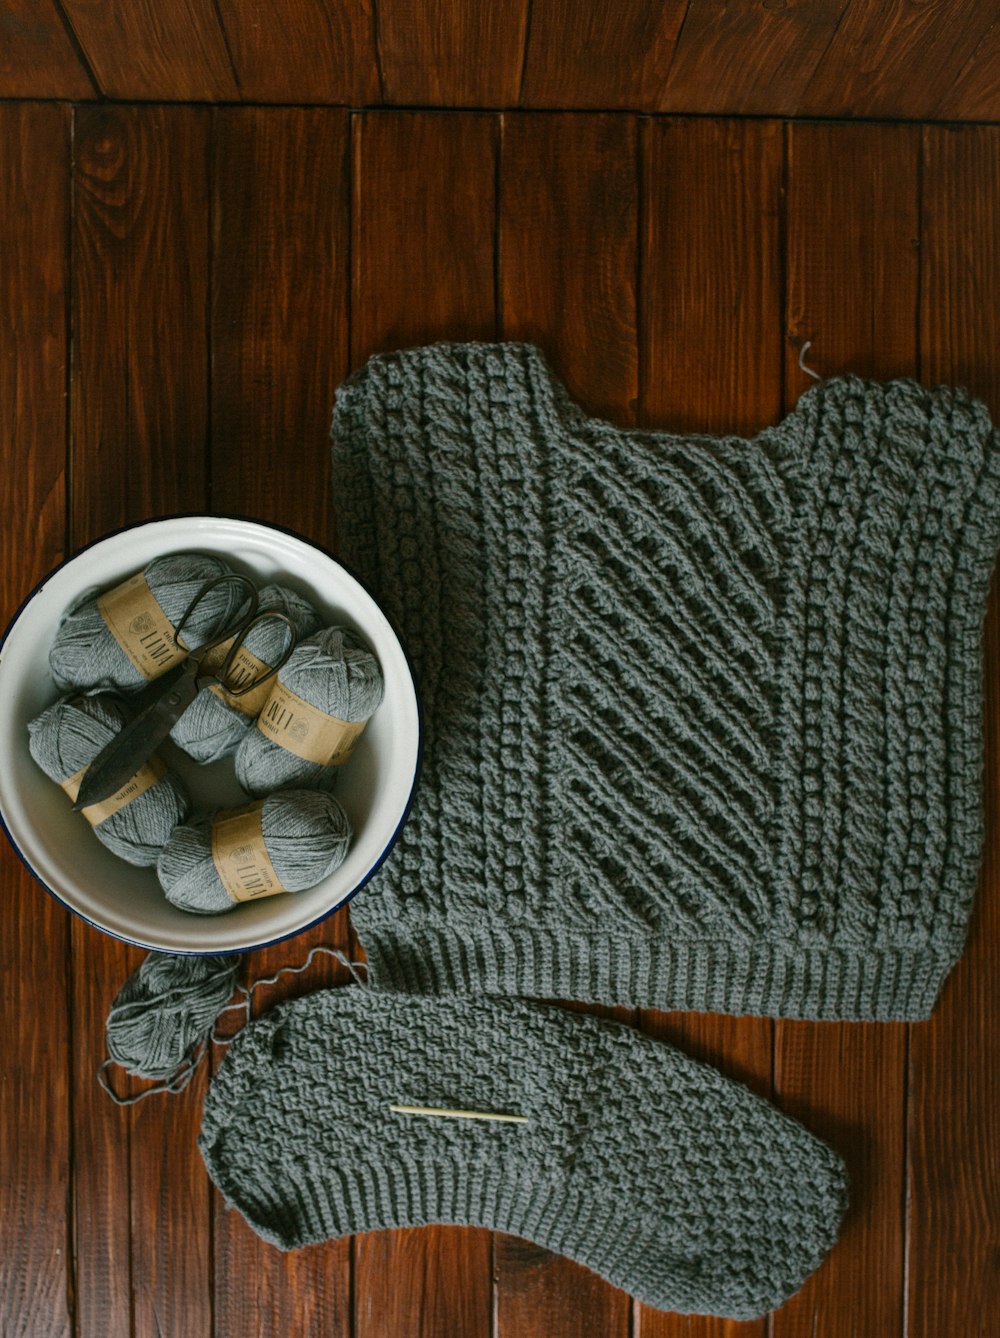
321 548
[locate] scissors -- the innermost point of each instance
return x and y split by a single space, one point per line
165 701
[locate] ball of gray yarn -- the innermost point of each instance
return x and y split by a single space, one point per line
165 1010
333 670
85 654
210 728
306 834
68 736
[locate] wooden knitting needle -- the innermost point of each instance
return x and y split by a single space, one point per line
459 1114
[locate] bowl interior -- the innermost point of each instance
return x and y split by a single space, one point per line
57 843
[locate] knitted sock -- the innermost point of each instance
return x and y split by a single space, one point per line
661 1175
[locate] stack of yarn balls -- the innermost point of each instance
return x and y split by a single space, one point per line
305 829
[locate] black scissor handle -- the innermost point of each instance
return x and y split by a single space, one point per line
250 595
265 615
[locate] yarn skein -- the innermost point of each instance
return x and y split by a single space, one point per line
66 738
85 654
166 1010
306 834
211 727
334 671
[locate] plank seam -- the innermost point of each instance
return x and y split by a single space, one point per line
77 46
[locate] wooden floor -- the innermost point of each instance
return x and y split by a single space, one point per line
181 290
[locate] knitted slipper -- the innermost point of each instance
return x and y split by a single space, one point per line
665 1178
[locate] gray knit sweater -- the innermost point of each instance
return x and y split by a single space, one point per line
702 716
664 1177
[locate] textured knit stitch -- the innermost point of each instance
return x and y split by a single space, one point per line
703 716
661 1175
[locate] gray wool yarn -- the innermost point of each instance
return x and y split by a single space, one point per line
306 833
656 1172
85 654
166 1010
717 702
334 671
211 728
68 735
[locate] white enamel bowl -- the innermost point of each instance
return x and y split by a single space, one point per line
56 843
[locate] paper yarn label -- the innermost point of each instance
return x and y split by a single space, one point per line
240 855
140 627
305 730
147 775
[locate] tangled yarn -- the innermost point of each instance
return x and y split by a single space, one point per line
164 1016
212 727
306 834
334 671
85 654
68 735
166 1010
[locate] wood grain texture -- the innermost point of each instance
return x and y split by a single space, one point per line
451 53
37 57
423 252
568 255
303 50
279 310
748 58
423 244
174 50
35 1236
587 53
426 1282
975 94
710 306
709 310
895 57
140 415
852 241
852 289
954 1075
568 234
279 341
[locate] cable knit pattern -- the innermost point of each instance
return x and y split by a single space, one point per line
658 1173
703 716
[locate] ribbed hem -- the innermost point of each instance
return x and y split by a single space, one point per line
312 1202
773 980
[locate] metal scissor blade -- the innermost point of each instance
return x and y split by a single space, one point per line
119 760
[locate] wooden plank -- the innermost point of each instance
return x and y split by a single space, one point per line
711 276
451 53
302 50
585 53
751 59
954 1074
279 348
423 253
852 289
37 56
140 418
568 229
710 350
852 237
568 252
169 49
895 58
423 243
35 1237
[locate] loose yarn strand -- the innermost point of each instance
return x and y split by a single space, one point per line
336 953
802 364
